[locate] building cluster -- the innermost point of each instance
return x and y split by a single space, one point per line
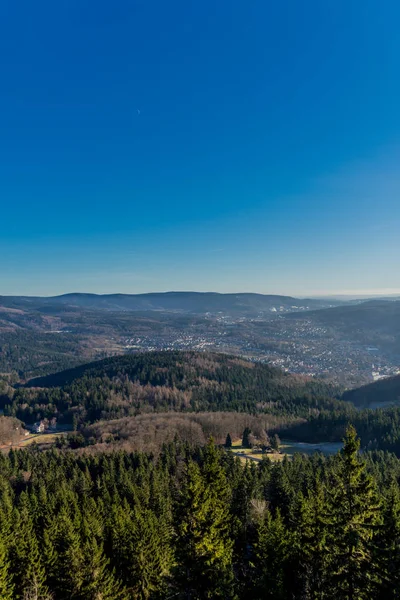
296 346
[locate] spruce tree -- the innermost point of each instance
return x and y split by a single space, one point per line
6 586
275 442
228 441
387 548
246 438
353 516
142 551
272 572
98 582
205 547
27 564
69 566
311 552
6 536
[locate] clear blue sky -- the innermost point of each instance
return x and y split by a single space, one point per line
220 145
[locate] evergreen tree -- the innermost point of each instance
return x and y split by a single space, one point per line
311 545
272 571
69 566
275 442
99 582
353 517
6 586
27 564
205 547
246 438
228 441
142 551
387 548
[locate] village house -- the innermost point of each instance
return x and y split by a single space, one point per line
38 427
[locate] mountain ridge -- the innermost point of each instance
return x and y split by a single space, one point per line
246 303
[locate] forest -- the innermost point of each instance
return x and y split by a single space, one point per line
165 386
159 381
194 523
144 499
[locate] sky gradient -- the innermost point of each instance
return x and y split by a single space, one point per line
214 146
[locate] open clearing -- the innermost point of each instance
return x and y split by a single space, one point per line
287 448
41 439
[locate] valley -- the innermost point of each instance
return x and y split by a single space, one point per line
349 344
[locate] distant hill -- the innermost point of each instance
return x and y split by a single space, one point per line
377 314
374 322
190 302
182 369
384 392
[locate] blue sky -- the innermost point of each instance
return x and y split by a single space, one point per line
228 146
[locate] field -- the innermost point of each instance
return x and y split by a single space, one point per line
287 448
41 439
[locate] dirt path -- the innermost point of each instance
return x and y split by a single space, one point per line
247 457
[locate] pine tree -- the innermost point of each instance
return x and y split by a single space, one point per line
142 551
50 555
311 544
246 438
98 582
27 564
275 442
69 566
272 571
205 547
353 516
6 586
387 548
228 441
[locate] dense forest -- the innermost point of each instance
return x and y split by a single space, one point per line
123 390
160 381
380 393
33 353
194 523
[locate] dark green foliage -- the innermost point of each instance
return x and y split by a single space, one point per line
272 558
246 438
275 442
377 429
386 549
195 523
6 586
353 517
386 390
162 381
204 546
30 354
228 441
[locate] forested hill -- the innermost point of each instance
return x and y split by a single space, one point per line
187 369
378 394
160 381
373 323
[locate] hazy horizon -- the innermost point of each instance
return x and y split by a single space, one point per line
348 295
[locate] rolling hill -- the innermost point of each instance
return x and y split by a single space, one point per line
161 381
190 302
385 392
374 322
